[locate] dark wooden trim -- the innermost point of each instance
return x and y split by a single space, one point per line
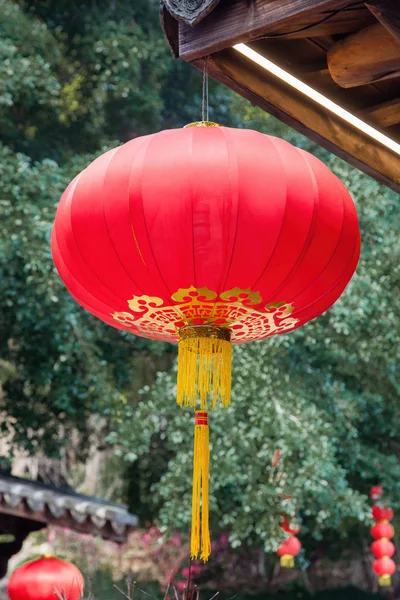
243 20
293 108
388 13
169 26
186 11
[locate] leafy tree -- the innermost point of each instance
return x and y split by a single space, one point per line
74 78
326 395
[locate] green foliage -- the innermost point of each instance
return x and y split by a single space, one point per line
72 81
326 395
76 78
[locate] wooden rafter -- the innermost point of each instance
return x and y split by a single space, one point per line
367 56
388 13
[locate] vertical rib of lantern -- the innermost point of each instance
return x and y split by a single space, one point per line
296 229
312 289
231 223
213 206
204 367
87 213
163 226
293 267
84 285
307 287
335 269
67 252
261 192
89 302
324 301
126 226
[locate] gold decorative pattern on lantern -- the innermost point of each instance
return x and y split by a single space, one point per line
239 310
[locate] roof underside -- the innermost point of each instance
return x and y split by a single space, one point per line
48 505
348 51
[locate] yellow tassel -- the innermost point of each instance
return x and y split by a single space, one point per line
204 367
385 581
200 539
287 561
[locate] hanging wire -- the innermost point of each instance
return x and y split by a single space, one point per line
204 102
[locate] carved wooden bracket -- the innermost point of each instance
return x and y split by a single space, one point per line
190 11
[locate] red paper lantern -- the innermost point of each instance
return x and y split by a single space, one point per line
376 492
381 513
384 568
47 578
206 236
170 230
382 548
382 530
288 550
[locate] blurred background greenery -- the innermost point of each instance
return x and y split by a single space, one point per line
97 405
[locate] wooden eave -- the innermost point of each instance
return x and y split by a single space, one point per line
347 51
42 505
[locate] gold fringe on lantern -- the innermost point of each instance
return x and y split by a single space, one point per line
287 561
204 366
385 581
200 542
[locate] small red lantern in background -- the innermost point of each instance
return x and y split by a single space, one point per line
289 547
382 531
376 493
47 578
288 550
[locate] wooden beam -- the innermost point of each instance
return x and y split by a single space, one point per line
346 21
367 56
293 108
241 21
319 67
388 13
385 114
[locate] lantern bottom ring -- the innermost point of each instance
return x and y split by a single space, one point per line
205 331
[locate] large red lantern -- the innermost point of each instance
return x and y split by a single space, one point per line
47 578
382 548
206 236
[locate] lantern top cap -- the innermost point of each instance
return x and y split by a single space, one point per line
203 124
